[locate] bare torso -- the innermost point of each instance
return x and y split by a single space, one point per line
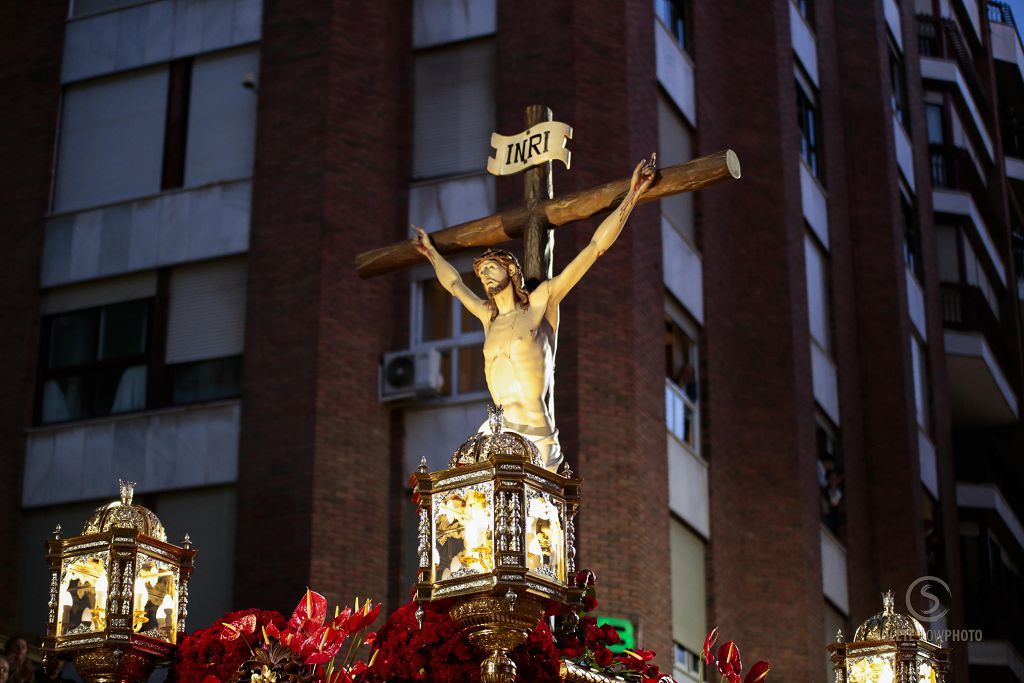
519 359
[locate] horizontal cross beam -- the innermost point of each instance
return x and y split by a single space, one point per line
507 225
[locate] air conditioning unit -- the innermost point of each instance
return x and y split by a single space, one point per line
410 374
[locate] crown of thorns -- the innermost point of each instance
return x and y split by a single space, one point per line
503 257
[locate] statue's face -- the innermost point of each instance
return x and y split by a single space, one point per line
494 277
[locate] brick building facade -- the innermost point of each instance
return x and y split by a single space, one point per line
784 394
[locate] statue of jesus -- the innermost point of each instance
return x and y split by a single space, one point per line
521 327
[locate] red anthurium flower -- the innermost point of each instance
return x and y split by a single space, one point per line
635 660
339 619
244 626
370 637
362 617
309 614
709 643
729 663
758 672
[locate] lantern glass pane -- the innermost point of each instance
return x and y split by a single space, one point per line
463 524
155 599
871 669
82 601
926 673
545 541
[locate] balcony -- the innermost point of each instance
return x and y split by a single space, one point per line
995 592
946 59
976 355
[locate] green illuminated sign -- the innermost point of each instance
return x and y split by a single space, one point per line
626 633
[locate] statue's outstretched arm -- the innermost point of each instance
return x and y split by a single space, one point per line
604 236
450 278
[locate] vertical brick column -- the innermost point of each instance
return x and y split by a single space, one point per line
764 565
32 39
330 180
893 489
593 63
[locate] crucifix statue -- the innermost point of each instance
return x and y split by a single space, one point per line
520 313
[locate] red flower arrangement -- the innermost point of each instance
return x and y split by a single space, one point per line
206 653
261 647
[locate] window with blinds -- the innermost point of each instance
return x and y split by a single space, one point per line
454 109
675 145
689 621
206 311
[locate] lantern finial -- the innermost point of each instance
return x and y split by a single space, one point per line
57 532
496 418
888 602
127 491
187 541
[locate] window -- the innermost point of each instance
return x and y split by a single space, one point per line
922 391
911 238
454 111
105 358
686 663
687 552
440 321
95 361
806 8
186 123
807 120
898 99
675 14
681 389
818 293
830 476
935 116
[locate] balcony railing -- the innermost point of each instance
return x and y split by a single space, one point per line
953 169
1000 13
965 308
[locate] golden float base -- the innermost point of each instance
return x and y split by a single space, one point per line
497 626
111 664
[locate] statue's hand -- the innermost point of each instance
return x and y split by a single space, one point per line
421 241
643 174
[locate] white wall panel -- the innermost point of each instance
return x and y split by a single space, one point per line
814 204
111 140
904 152
915 305
805 45
688 487
825 383
157 231
675 72
435 22
441 204
206 311
82 461
154 32
683 270
833 572
928 463
892 20
222 118
675 146
435 433
100 293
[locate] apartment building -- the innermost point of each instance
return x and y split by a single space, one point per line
784 394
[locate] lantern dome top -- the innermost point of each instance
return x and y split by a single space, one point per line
889 624
481 446
123 514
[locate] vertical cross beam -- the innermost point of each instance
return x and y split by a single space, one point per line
538 185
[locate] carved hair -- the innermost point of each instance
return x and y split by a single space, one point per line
506 260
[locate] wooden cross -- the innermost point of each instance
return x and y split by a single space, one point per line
541 212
